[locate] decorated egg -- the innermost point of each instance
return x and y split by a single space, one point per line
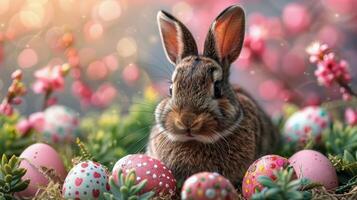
159 178
310 122
314 166
60 124
36 158
206 186
264 166
86 180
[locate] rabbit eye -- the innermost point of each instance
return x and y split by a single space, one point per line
170 90
217 89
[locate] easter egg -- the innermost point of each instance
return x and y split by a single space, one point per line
310 122
264 166
206 186
60 124
159 178
314 166
34 158
86 180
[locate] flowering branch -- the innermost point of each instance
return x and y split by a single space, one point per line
15 91
49 80
330 70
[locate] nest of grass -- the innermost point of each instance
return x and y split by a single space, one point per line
322 194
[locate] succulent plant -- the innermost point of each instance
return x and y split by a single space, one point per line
346 163
283 187
10 177
126 189
339 138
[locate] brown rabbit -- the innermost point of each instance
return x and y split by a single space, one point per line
206 124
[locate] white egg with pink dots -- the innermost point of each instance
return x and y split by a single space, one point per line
87 180
159 178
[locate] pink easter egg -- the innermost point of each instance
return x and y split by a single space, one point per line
314 166
159 178
34 157
206 186
264 166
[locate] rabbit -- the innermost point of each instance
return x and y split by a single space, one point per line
205 123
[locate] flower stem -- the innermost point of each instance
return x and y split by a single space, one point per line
347 88
46 98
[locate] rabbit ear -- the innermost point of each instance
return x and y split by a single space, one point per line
177 40
226 34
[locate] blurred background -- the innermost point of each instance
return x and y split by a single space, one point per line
115 52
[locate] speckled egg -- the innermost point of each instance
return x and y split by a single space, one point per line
264 166
159 178
314 166
60 124
208 186
34 158
86 180
310 122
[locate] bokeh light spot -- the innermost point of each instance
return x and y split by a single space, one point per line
112 62
126 47
95 31
27 58
32 15
97 70
131 74
269 89
109 10
4 6
183 11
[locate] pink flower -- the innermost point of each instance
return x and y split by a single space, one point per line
50 78
16 75
351 116
330 70
6 109
301 18
317 51
82 91
104 96
23 127
36 121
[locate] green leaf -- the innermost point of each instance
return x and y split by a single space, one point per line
147 196
137 188
347 156
7 169
266 181
21 186
13 161
4 160
8 178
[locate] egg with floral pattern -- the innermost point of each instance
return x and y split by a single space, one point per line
207 186
86 180
264 166
60 124
159 178
307 123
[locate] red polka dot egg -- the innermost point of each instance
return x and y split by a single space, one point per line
86 180
207 186
159 178
264 166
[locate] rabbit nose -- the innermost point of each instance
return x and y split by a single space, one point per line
186 122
